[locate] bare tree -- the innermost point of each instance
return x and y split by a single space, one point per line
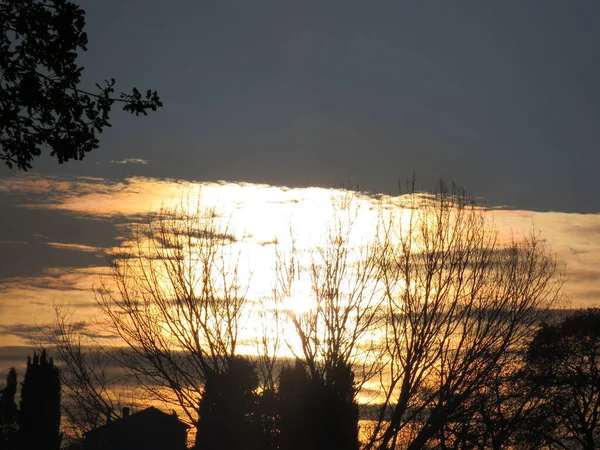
267 342
458 300
93 389
428 301
176 297
341 294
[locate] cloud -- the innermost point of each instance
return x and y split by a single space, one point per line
131 161
129 198
10 354
24 331
58 279
43 333
14 356
27 184
257 216
77 247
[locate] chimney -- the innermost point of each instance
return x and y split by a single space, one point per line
125 412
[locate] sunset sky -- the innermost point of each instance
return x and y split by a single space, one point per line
503 98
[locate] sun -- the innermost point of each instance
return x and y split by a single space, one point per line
302 299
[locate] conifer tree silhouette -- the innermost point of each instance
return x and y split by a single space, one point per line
40 405
8 412
294 407
340 410
228 416
318 413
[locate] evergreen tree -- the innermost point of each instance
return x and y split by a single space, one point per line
317 412
266 422
228 417
40 405
339 407
294 408
8 412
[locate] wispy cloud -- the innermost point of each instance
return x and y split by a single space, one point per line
28 184
58 279
90 197
260 216
26 332
77 247
14 356
40 333
131 161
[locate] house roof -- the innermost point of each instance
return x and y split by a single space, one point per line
150 416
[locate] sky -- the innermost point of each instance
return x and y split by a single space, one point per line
502 97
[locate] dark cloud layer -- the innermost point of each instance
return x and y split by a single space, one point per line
500 96
34 237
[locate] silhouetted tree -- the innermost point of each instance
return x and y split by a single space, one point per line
8 412
565 360
340 410
294 408
92 393
267 420
499 414
337 280
228 410
176 297
340 274
40 405
316 412
434 295
41 103
460 300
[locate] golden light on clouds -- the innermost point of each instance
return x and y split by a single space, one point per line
262 220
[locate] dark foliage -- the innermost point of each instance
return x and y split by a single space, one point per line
294 404
267 420
340 411
564 360
499 414
40 405
228 416
317 413
41 104
8 412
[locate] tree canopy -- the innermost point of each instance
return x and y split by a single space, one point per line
8 412
41 103
565 360
40 404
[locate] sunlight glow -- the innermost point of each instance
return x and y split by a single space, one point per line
302 299
262 221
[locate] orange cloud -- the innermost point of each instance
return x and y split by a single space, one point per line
260 216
